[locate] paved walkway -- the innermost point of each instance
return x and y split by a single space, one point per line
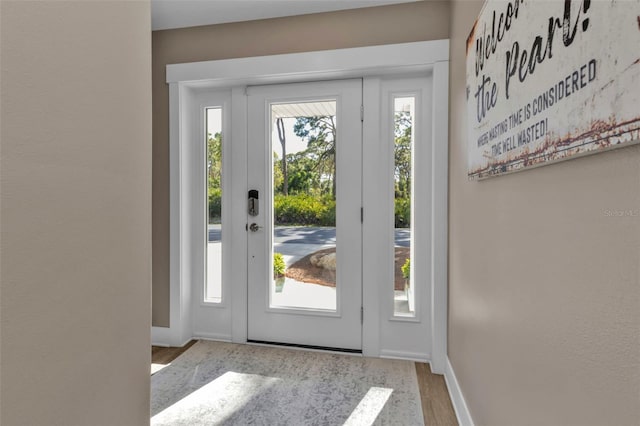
295 242
292 293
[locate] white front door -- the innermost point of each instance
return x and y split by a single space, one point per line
304 230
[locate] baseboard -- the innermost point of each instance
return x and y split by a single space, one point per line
219 337
164 337
407 356
457 399
161 336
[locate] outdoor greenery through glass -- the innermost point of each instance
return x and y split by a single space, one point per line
213 281
403 116
305 181
403 130
304 136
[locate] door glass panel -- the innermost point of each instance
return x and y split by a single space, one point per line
404 117
213 286
303 140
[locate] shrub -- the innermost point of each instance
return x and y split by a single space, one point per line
304 209
327 216
215 205
402 216
406 269
278 265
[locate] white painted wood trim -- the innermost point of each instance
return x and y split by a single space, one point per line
239 264
372 216
343 63
164 337
174 214
439 215
179 330
457 399
161 336
407 356
217 337
171 335
339 63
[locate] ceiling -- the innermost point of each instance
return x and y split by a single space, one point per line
166 14
304 109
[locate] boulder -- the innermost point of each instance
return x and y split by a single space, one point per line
325 261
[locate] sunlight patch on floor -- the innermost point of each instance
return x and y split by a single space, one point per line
157 367
369 407
230 392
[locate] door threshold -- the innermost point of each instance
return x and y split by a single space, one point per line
306 347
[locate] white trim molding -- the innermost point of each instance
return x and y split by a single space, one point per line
371 63
203 335
457 399
307 66
161 336
179 331
166 338
439 215
408 356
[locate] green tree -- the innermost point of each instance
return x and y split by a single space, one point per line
402 169
402 153
214 177
214 161
283 142
320 135
302 174
278 179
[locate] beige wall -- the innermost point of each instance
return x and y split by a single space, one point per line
544 315
75 213
352 28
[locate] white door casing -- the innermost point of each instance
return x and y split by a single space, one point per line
420 58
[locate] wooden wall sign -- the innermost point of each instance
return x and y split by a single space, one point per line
551 80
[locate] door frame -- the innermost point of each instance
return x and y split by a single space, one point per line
185 79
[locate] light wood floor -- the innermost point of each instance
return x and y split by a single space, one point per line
163 356
436 405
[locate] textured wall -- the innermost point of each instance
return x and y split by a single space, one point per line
544 291
352 28
75 212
